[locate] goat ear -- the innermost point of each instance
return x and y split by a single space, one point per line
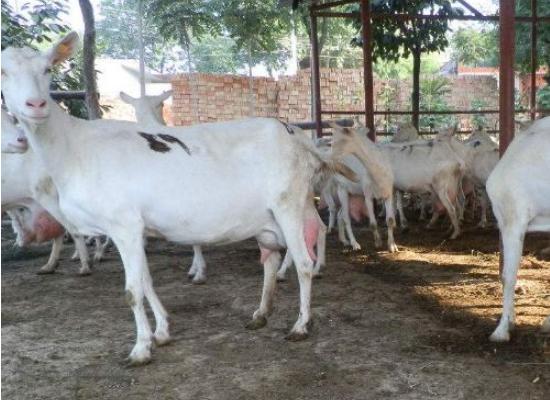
362 130
455 128
334 125
163 96
64 49
359 123
126 98
446 133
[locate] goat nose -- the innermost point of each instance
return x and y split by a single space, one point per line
22 139
36 103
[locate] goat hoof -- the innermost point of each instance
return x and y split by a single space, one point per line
501 334
296 336
393 248
85 272
45 270
256 323
135 362
281 278
162 339
318 275
198 280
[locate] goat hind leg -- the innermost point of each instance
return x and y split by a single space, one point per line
512 244
292 225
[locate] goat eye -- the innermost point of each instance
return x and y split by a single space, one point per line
3 73
48 70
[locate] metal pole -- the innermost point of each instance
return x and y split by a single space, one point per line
507 53
316 87
367 68
533 93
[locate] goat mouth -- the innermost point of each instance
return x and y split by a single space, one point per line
36 119
22 147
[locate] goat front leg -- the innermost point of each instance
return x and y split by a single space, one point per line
53 260
197 272
483 201
399 203
82 250
390 222
287 262
133 257
271 263
343 196
372 218
100 248
321 247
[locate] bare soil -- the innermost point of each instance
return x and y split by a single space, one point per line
411 325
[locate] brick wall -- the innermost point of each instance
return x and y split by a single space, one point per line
205 98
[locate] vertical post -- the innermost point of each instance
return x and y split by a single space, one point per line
367 67
315 74
507 55
533 93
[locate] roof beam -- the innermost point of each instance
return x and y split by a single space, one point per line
470 8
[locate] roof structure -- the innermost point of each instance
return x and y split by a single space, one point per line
506 18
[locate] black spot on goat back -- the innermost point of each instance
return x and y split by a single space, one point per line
163 145
172 139
154 143
288 127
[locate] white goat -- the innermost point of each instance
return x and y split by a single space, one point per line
405 132
148 112
23 178
207 184
519 189
427 167
485 158
375 181
13 138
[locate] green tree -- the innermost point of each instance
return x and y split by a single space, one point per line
258 29
39 21
394 39
434 90
185 20
474 47
523 36
117 35
217 55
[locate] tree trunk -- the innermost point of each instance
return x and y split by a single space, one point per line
252 102
92 97
416 87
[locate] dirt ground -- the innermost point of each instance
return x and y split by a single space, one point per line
411 325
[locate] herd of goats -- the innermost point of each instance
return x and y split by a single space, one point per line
225 182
